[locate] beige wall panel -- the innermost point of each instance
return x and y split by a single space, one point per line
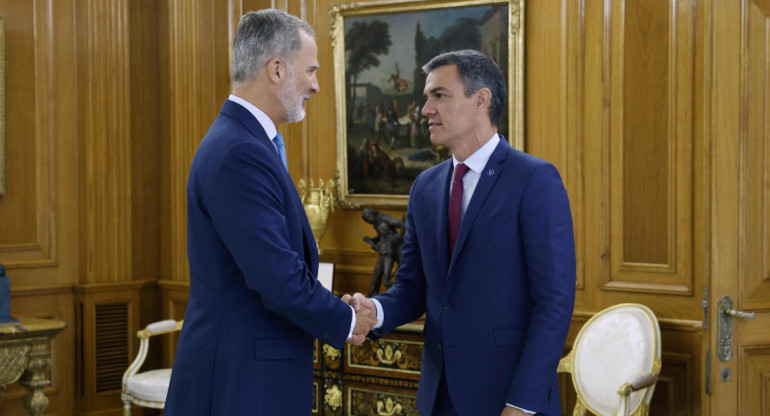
33 147
105 140
553 107
199 33
645 142
754 387
648 59
755 159
38 215
146 140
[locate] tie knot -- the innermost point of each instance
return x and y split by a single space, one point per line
460 170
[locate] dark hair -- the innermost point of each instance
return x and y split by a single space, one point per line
476 71
262 36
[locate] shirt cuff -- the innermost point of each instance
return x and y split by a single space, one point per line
380 313
523 410
352 323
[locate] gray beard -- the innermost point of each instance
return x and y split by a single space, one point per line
291 99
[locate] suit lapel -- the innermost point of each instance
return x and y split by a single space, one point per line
488 177
244 116
442 207
238 112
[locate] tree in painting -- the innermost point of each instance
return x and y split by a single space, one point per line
464 34
363 42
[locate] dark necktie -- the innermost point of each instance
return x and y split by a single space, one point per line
455 205
281 149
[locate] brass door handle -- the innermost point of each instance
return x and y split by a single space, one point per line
725 326
740 314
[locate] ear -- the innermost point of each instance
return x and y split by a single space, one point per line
276 70
483 100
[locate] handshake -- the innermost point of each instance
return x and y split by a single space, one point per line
366 317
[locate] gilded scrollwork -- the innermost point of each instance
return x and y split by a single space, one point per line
333 397
390 354
370 402
12 363
332 356
515 15
401 356
382 381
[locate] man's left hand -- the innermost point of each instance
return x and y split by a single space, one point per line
512 411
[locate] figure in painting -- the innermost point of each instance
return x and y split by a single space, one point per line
388 242
399 84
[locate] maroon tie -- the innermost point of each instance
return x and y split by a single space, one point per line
455 205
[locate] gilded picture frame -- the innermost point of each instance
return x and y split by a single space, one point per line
379 49
2 106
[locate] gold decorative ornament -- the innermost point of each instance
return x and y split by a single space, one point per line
24 356
319 203
333 397
389 354
365 401
388 407
13 361
331 353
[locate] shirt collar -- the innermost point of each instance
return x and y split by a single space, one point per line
261 117
479 158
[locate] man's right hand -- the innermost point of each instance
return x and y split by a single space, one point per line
366 316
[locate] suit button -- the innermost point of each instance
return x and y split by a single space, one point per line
438 346
447 306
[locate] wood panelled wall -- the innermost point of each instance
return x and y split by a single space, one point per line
107 100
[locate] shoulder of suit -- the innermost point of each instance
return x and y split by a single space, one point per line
435 171
524 159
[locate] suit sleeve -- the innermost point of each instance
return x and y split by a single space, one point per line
549 250
405 300
246 205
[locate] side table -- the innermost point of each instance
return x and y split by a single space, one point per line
24 356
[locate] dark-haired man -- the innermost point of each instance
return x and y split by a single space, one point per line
489 257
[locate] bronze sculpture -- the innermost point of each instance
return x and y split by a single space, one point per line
388 243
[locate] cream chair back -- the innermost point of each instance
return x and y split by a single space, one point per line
619 345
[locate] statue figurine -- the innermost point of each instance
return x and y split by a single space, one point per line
388 243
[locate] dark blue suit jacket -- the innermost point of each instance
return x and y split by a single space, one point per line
497 312
255 304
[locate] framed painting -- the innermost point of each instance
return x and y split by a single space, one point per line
383 141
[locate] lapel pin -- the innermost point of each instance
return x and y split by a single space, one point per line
490 172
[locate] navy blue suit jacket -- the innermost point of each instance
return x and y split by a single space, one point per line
255 304
497 311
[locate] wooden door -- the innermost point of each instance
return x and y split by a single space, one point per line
739 107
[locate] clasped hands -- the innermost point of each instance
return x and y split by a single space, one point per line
366 317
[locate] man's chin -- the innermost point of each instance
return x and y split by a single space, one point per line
297 117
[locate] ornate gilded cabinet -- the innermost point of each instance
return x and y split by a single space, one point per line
376 378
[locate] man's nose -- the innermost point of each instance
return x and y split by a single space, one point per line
428 109
314 88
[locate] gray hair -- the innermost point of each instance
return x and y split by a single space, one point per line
262 36
476 71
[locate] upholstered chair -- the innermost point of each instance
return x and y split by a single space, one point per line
149 388
615 361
